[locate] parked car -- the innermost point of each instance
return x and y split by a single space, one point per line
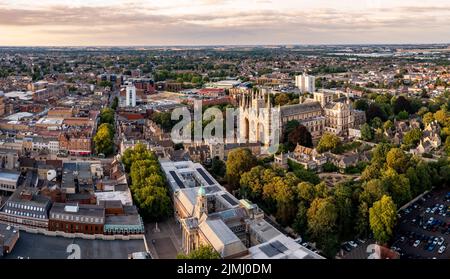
416 243
353 244
431 247
361 241
441 249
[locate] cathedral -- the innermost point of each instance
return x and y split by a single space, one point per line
322 113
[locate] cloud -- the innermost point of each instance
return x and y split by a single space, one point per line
136 23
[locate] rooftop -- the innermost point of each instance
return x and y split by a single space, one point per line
11 177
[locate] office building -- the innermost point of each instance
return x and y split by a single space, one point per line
305 83
130 96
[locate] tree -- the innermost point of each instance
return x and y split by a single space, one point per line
107 116
164 120
361 104
105 83
396 159
388 125
375 110
362 220
203 252
115 103
403 115
447 145
300 223
300 135
329 167
252 182
376 123
302 173
282 99
380 152
103 139
343 201
382 218
147 183
327 142
366 132
239 161
218 167
306 192
412 137
280 190
322 216
398 186
442 117
154 202
402 104
373 190
427 118
372 171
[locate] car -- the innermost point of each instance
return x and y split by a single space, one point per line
362 241
346 247
441 241
353 244
441 249
431 247
416 243
435 241
402 239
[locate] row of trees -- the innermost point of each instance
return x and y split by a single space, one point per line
148 184
104 138
327 215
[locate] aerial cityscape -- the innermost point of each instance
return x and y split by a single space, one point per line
216 148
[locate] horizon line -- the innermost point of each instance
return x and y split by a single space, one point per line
230 45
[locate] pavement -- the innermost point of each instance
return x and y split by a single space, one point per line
167 239
39 246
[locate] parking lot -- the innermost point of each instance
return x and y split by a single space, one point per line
423 228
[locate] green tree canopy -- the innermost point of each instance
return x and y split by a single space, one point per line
107 116
383 216
300 135
366 132
397 159
103 139
327 142
204 252
239 161
412 137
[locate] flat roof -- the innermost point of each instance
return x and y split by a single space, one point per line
9 176
38 246
18 116
282 247
123 196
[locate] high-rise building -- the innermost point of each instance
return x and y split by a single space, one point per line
131 96
305 83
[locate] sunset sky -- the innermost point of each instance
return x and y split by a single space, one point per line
209 22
